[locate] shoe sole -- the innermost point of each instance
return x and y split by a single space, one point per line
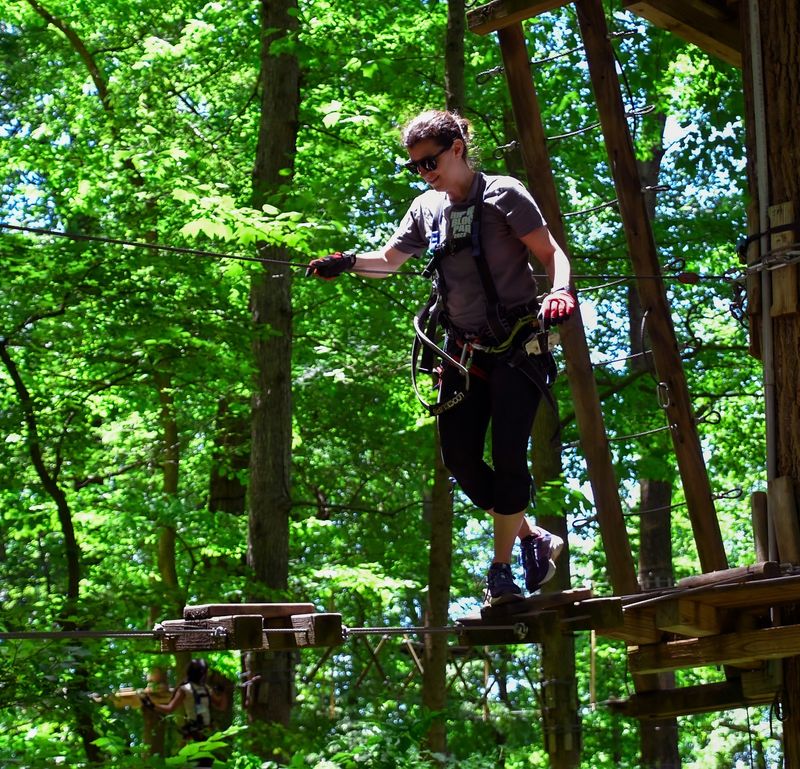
556 546
507 598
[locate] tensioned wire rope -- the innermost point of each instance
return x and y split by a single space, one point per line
683 276
519 629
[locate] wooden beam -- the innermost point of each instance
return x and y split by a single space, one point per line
232 632
733 648
638 627
503 13
588 413
708 25
761 570
690 618
266 610
644 258
687 700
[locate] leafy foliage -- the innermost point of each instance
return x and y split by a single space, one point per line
138 121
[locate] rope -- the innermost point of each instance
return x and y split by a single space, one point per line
159 631
680 276
163 247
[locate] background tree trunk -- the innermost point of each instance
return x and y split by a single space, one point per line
270 302
658 739
434 679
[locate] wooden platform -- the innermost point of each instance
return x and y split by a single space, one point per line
729 619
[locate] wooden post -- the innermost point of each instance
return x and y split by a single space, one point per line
588 413
760 520
641 245
783 509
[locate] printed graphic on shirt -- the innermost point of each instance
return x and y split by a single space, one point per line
461 222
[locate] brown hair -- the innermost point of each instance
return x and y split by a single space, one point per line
442 127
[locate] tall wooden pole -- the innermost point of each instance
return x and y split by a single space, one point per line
594 443
644 258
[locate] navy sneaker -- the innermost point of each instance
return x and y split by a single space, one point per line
501 587
539 553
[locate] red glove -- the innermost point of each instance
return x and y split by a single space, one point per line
330 266
557 306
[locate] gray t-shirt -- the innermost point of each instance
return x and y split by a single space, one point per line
509 212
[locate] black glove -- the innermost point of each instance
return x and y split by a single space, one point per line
147 702
332 265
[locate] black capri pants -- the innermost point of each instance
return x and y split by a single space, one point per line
505 398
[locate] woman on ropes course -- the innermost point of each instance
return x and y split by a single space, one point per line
480 229
196 698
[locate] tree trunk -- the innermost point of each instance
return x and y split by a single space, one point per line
270 303
454 56
227 493
779 43
170 465
434 677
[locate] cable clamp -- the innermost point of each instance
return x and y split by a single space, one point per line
662 391
520 631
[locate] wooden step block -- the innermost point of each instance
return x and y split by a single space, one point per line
218 633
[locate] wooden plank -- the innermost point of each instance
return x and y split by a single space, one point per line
652 292
690 618
216 633
498 14
475 631
732 648
705 24
761 594
266 610
784 281
583 387
783 512
534 603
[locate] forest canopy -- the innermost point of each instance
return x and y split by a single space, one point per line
128 367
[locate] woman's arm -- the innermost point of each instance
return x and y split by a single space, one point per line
173 704
543 246
380 264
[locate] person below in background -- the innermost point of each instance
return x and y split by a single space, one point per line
196 698
481 229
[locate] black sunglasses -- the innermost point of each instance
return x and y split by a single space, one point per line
427 163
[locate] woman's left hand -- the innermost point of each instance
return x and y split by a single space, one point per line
557 306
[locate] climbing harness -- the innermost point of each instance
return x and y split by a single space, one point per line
200 715
516 336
